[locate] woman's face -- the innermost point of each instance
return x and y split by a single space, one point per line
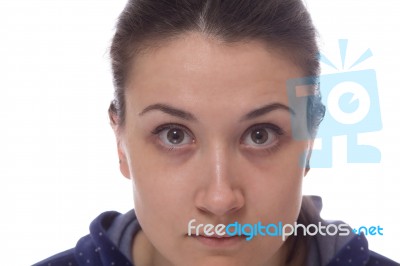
208 136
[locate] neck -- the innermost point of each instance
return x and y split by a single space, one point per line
296 250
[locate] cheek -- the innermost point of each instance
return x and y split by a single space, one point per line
275 186
162 204
154 183
158 184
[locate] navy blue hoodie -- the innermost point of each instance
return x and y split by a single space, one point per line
111 234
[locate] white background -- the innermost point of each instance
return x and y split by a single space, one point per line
58 161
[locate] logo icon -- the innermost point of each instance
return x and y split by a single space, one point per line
352 107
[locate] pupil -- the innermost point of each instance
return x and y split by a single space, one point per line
175 136
259 136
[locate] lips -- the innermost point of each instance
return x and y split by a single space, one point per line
210 235
216 236
217 241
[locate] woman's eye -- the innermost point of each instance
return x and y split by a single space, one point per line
261 136
174 136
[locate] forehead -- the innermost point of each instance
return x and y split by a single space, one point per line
195 68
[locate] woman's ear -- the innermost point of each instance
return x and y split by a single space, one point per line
115 125
123 162
308 158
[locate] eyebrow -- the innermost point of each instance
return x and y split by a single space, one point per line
165 108
266 109
169 110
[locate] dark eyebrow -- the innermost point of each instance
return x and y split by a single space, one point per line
190 117
266 109
169 110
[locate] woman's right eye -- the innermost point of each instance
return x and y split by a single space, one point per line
173 136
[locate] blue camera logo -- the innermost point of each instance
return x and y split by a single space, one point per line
352 107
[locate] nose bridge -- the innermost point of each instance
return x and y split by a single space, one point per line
219 160
220 194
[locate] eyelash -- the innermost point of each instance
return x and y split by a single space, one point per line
161 128
277 130
279 133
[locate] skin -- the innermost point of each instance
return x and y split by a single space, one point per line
217 174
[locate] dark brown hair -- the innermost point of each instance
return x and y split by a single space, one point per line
284 25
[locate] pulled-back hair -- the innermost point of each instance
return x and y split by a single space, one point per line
284 25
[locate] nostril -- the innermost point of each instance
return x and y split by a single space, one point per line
220 203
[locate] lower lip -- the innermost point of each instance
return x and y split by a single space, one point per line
220 242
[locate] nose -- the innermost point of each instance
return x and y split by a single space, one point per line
221 193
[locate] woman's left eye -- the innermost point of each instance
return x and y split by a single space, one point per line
261 136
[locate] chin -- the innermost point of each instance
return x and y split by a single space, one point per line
217 261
